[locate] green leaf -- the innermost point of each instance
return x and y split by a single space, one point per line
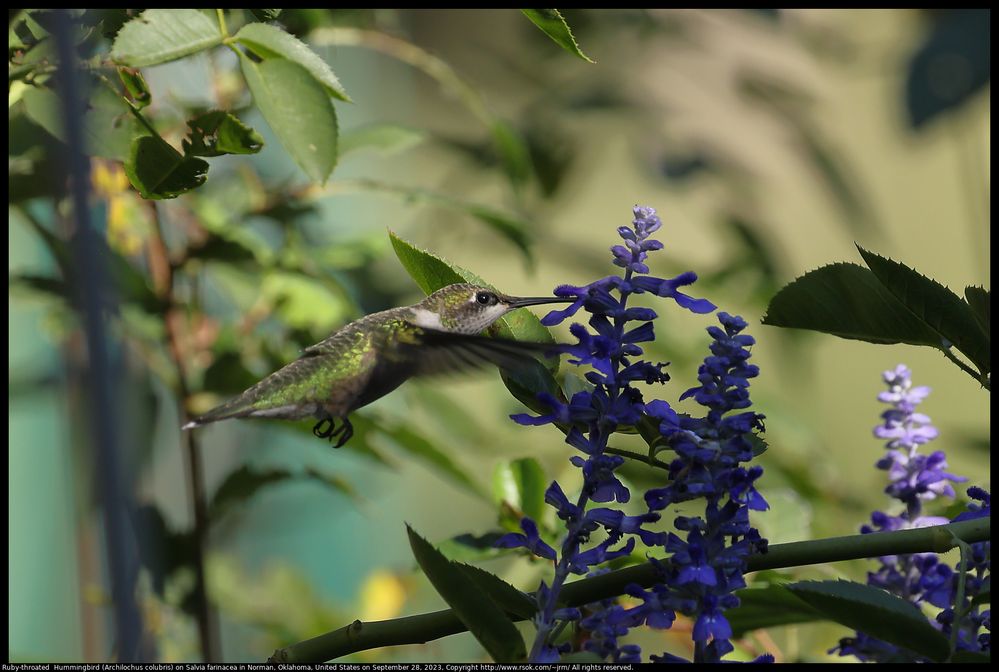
521 483
473 606
386 138
161 35
876 612
216 133
979 299
244 483
299 111
136 86
767 608
269 42
502 593
550 21
108 127
266 14
418 446
431 273
934 305
159 171
848 301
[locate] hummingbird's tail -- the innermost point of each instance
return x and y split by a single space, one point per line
245 406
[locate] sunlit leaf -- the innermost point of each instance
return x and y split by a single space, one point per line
161 35
521 483
270 42
298 109
550 21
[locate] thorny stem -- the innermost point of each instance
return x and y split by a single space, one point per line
206 616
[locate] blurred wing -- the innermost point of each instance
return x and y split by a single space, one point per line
432 352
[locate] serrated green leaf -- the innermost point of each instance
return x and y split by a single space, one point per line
504 595
522 484
875 612
298 110
980 299
269 42
420 447
767 608
161 35
217 133
158 171
848 301
550 21
936 306
385 138
484 619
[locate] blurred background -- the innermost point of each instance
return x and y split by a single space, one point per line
769 142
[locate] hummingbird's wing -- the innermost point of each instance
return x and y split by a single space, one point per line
430 351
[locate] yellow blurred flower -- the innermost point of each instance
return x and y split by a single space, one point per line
128 221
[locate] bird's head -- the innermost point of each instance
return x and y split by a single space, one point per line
468 309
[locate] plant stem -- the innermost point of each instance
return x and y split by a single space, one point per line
206 616
423 628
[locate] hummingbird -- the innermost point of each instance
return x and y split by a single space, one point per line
368 358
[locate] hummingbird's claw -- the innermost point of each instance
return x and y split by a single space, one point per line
344 432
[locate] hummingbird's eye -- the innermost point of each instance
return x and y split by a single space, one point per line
485 298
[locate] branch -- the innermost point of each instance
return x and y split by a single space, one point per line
162 272
423 628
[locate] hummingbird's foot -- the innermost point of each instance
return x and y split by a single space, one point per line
331 431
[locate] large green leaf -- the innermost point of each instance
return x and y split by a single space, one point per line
502 593
216 133
269 42
431 273
487 622
876 612
521 483
298 109
848 301
159 171
980 299
940 309
768 607
161 35
554 26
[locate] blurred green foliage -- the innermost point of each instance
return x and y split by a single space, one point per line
242 198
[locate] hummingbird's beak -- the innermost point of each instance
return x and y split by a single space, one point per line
520 302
